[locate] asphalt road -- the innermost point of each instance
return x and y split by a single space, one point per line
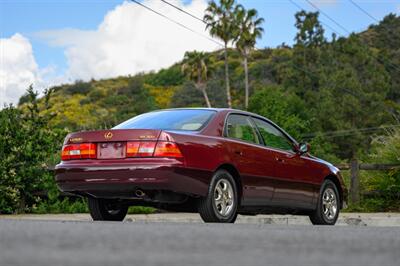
26 242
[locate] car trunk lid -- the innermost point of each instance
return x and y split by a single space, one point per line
110 144
113 135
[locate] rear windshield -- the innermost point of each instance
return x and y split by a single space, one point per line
190 120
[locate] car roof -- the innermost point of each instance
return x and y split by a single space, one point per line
230 110
205 108
219 110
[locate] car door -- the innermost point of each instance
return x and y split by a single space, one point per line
253 161
294 177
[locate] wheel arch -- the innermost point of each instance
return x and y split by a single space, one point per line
336 181
236 176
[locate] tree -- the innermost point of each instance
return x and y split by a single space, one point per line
132 100
386 149
187 96
221 23
249 31
26 147
311 33
196 69
309 40
353 86
284 108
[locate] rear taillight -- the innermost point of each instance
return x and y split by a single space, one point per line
151 148
79 151
146 149
140 148
132 149
167 149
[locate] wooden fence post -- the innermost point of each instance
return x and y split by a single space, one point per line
355 181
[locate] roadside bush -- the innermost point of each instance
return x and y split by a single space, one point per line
386 149
25 148
66 205
77 205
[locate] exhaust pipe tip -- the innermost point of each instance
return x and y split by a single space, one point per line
139 193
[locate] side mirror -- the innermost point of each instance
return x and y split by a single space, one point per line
303 148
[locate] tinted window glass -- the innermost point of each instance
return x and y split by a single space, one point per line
169 120
272 136
240 127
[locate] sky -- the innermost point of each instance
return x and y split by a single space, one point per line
51 42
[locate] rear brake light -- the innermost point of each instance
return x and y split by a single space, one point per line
132 149
140 149
78 151
146 149
151 148
167 149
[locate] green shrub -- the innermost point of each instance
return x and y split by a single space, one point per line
141 210
66 205
368 205
386 149
77 205
26 146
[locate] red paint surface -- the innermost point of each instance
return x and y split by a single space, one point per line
267 176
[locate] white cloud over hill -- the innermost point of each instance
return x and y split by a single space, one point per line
131 39
18 68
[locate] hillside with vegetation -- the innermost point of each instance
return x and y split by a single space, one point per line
335 92
341 95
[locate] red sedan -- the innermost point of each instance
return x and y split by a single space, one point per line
218 162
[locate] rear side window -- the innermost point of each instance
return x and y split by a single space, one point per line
189 120
241 127
272 136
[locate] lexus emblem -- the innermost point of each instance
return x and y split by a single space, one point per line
108 135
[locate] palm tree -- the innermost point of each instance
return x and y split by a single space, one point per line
220 21
195 67
250 30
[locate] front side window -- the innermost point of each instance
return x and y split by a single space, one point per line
241 127
272 136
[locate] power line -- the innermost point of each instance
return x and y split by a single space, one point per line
323 23
184 11
349 132
326 15
334 84
176 22
363 10
372 17
340 133
369 15
346 30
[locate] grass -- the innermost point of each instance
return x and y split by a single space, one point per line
78 205
374 204
141 210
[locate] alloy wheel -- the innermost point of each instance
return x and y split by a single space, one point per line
224 197
329 204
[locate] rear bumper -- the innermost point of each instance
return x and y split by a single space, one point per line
120 179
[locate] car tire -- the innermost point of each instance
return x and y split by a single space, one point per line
328 206
105 210
221 203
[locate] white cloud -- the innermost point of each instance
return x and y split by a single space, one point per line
131 39
18 68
